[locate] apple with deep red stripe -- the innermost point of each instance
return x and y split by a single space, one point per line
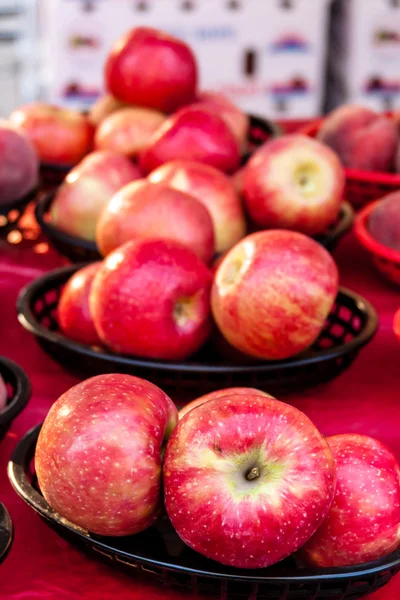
247 480
99 453
272 293
151 68
363 523
151 298
73 308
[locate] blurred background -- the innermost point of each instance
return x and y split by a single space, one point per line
283 59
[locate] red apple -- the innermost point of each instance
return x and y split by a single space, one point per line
98 456
363 139
73 308
294 182
384 221
146 210
153 69
160 291
194 134
272 293
238 391
127 131
237 120
363 523
215 190
247 480
3 394
87 189
60 135
19 164
103 107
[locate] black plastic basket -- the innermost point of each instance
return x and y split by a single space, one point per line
52 174
19 391
351 324
11 212
74 248
6 532
159 554
337 230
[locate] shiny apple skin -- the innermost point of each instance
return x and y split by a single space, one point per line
221 394
151 298
363 523
221 514
98 456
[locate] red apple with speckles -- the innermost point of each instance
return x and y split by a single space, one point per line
146 210
293 182
272 293
73 308
86 191
127 131
60 135
215 190
237 120
195 134
3 394
151 68
151 298
241 391
98 456
247 480
19 164
363 523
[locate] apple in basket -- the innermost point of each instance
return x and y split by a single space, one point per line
247 480
215 190
60 135
151 68
151 298
363 523
362 138
237 120
193 133
272 293
384 221
87 189
19 172
293 182
98 456
103 107
128 130
144 210
73 308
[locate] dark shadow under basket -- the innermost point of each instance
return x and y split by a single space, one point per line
11 212
160 555
351 324
6 532
19 392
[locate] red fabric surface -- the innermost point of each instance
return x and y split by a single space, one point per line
42 565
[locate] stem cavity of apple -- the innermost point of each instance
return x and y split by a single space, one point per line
253 473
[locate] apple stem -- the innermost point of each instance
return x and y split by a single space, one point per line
253 474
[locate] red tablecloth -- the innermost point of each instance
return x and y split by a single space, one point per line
41 565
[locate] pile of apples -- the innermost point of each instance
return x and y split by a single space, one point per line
246 480
185 147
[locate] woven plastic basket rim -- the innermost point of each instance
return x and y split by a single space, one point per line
23 453
366 239
22 389
29 322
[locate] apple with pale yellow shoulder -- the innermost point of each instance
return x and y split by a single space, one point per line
272 293
293 182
